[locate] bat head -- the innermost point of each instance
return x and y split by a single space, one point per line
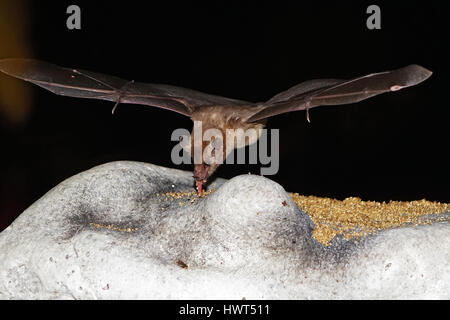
202 172
211 159
205 156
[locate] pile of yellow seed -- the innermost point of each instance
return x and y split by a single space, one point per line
190 196
353 217
177 195
112 227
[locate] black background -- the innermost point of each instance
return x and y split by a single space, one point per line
391 147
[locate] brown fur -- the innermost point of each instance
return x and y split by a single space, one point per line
221 118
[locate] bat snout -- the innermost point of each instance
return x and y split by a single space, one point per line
201 172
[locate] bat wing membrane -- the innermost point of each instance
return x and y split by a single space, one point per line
315 93
87 84
309 94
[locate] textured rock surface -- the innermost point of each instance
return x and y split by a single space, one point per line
108 233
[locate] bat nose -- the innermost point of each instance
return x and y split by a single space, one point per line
199 178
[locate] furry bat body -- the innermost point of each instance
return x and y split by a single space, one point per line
213 111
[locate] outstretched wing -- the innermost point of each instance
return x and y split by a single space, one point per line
322 92
87 84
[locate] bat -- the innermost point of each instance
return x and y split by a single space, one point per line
213 111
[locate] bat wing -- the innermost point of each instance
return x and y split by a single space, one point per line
87 84
322 92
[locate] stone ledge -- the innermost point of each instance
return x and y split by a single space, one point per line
129 230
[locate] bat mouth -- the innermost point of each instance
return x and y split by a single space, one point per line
200 176
200 179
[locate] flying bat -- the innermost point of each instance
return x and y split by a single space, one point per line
214 112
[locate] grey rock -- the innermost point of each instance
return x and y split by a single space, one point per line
107 233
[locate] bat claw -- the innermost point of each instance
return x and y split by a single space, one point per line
115 106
